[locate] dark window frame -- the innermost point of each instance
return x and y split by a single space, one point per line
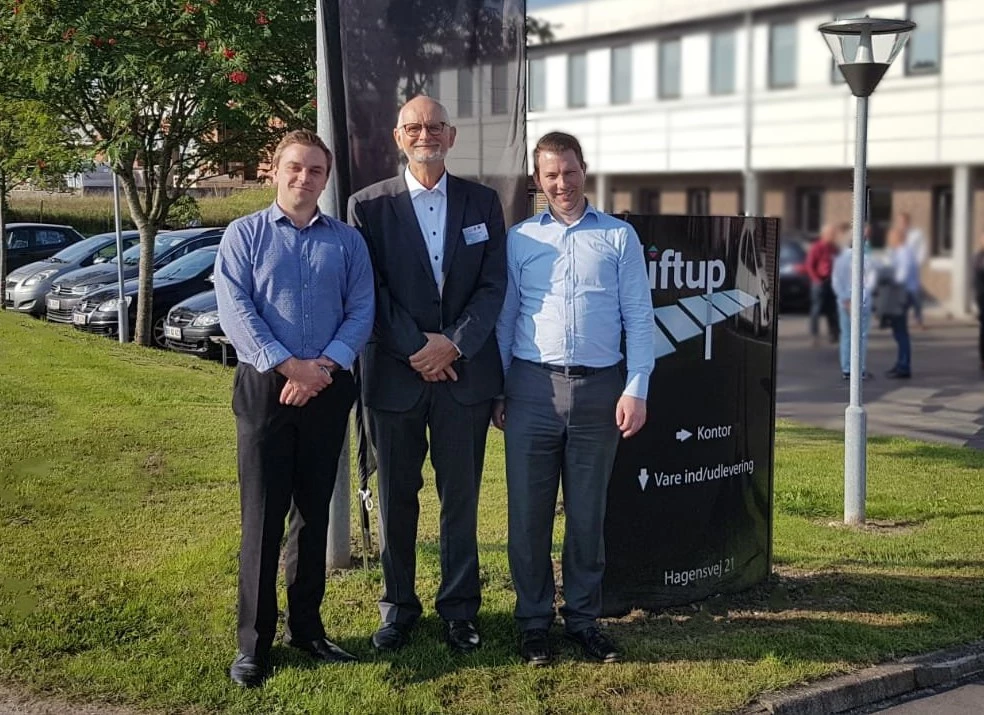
699 195
909 71
942 230
802 217
772 83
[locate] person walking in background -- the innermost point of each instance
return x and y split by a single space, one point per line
295 298
979 293
431 369
915 240
894 297
819 266
577 278
843 290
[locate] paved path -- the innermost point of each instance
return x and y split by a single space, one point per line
964 700
942 402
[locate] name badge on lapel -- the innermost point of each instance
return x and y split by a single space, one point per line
475 234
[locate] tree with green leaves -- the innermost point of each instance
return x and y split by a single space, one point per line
164 90
36 148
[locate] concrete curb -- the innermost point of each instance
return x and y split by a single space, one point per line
875 684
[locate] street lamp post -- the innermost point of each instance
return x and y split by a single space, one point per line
863 49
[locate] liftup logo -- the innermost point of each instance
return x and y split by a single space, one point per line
696 314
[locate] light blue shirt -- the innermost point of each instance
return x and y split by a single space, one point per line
288 292
570 292
840 276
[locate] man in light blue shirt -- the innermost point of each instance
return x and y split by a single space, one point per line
576 281
296 299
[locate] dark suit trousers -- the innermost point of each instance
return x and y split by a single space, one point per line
559 430
288 458
457 451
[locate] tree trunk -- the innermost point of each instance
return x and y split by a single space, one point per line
148 232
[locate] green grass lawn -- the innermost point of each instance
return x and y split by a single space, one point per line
119 528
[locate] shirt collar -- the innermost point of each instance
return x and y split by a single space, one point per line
416 188
277 213
547 217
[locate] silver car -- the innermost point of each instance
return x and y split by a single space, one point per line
28 285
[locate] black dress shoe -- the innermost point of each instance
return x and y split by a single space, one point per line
534 646
462 636
248 671
324 650
391 636
596 645
898 374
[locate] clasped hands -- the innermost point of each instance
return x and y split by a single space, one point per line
305 379
433 361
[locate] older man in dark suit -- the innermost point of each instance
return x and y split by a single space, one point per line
437 244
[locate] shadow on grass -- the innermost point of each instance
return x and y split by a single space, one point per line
827 617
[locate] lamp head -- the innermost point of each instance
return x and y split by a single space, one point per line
864 48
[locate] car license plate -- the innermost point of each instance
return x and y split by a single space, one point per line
172 332
53 304
80 318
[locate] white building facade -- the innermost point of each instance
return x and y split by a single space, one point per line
682 104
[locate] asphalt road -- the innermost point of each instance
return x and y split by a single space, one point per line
942 402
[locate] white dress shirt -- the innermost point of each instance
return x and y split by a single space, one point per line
431 207
570 291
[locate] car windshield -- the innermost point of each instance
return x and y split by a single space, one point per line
188 266
131 256
79 251
790 252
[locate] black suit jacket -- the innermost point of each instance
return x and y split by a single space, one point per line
408 303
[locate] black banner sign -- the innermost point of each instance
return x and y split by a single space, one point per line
690 499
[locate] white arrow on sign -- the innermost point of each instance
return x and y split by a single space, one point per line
643 479
683 435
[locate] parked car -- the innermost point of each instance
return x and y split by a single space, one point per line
30 242
183 278
191 325
794 283
28 285
68 291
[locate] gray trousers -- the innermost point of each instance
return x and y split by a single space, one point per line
559 429
457 451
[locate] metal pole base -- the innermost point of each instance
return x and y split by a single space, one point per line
855 464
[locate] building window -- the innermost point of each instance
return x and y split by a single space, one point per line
500 88
809 210
538 85
669 69
942 220
922 53
432 85
698 202
577 80
723 62
465 83
782 54
622 74
879 214
649 202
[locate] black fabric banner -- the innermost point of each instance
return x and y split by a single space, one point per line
470 55
690 499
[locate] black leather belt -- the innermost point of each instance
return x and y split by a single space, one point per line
569 370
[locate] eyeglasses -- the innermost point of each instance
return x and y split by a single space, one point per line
413 130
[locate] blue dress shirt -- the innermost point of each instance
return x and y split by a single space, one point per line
288 292
571 290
